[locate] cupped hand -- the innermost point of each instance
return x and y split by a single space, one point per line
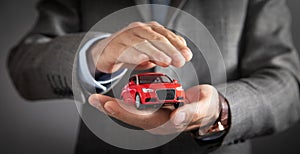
140 46
200 110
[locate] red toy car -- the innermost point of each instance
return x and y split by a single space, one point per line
152 89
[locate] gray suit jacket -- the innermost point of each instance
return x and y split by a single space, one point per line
254 37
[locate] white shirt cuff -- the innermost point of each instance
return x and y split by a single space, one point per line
86 76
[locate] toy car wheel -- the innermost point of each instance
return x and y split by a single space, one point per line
177 105
138 103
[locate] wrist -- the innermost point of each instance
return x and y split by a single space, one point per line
220 125
224 113
95 52
87 68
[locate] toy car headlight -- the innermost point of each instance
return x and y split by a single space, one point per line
146 90
179 88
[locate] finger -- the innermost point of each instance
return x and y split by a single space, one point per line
162 43
202 109
192 127
142 120
182 39
98 101
185 115
108 65
102 102
143 66
132 56
144 46
176 40
197 113
135 24
111 106
118 52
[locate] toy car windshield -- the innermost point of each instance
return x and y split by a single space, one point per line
154 79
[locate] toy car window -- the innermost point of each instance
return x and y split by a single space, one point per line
130 79
154 79
133 79
165 79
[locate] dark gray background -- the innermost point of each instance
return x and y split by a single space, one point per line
51 126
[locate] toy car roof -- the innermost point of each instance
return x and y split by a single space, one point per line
150 73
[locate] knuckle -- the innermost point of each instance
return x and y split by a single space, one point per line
159 38
145 28
180 38
170 35
182 49
139 29
154 23
143 41
136 24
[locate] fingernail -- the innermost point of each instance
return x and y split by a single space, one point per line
188 53
179 118
109 109
94 102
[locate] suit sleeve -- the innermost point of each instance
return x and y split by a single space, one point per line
265 99
40 66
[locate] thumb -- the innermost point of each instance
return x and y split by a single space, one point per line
185 114
98 101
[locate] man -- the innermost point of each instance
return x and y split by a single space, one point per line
262 67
